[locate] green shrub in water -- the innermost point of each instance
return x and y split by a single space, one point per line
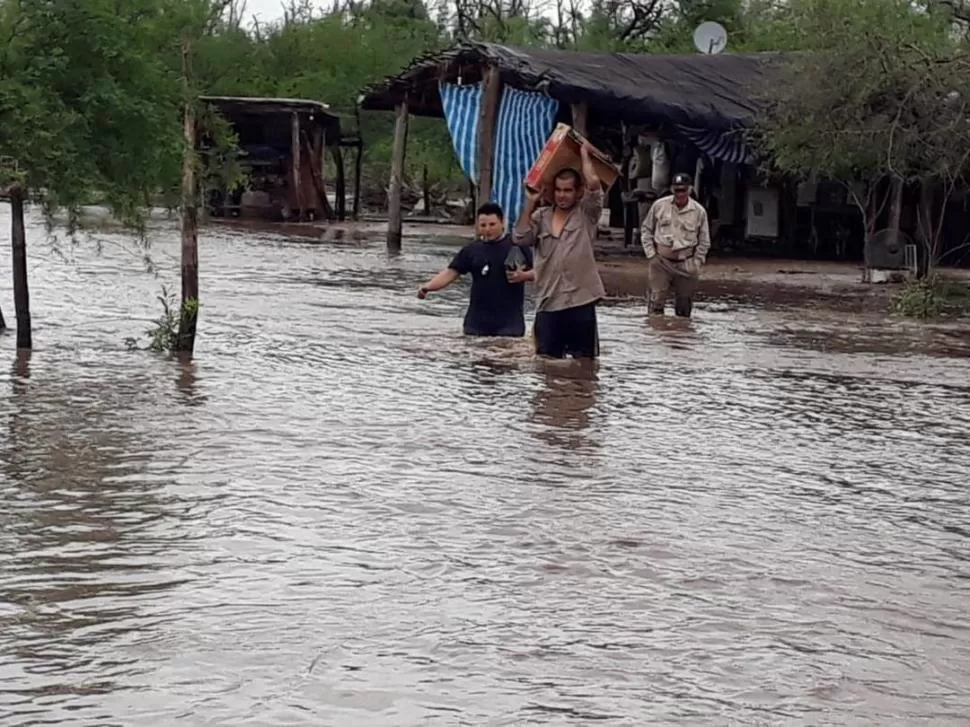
163 335
921 298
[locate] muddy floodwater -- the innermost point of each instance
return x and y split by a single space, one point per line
342 513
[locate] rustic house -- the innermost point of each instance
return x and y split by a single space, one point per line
284 145
656 115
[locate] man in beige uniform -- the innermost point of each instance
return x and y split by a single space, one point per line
568 284
676 238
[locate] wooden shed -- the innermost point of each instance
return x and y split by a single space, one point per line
283 144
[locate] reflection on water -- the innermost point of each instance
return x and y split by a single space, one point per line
343 512
561 407
75 564
185 381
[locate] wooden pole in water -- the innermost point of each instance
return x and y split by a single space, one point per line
188 211
341 186
18 246
580 114
295 164
487 116
358 161
316 157
397 173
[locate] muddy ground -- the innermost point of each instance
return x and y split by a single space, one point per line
765 282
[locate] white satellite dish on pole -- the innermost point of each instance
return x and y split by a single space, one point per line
710 38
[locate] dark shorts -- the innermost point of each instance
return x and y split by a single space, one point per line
569 332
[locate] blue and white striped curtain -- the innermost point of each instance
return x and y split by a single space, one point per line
461 105
727 146
525 121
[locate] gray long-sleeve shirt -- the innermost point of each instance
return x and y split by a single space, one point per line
565 266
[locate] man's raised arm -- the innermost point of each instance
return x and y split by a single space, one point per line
589 171
593 197
526 228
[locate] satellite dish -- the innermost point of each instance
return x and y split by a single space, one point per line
710 38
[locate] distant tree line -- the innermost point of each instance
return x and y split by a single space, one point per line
331 54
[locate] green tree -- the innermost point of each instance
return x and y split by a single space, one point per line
87 109
882 93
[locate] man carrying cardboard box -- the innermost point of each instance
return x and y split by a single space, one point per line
568 284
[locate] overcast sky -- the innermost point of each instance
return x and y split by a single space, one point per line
267 10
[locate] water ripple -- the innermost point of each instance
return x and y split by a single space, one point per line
344 513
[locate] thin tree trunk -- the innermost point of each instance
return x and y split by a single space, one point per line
185 341
21 293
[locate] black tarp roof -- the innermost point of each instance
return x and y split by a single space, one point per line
711 91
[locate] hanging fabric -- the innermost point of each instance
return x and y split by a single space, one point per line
728 146
525 120
462 105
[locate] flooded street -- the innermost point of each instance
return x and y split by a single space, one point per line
345 514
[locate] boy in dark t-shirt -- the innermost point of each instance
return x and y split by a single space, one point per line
499 270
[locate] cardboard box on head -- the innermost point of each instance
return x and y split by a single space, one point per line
562 151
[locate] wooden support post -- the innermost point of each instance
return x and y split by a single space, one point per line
397 173
319 147
341 187
317 167
21 292
626 186
324 211
487 117
189 213
580 113
295 176
358 161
